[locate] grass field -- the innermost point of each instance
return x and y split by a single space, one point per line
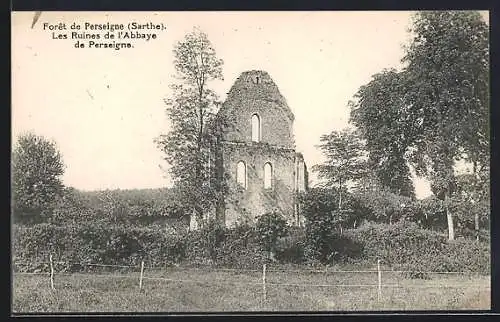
209 290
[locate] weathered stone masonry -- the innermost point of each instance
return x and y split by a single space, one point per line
259 131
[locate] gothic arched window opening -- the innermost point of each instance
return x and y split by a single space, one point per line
268 175
256 128
241 174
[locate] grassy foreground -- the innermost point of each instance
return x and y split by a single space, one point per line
209 290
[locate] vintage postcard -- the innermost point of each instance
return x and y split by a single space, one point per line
179 162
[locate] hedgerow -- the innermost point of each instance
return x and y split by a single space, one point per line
91 243
402 245
406 246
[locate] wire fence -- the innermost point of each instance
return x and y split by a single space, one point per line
261 278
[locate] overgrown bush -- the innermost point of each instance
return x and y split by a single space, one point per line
406 246
395 243
202 244
71 207
113 245
291 247
432 214
463 255
402 246
322 224
268 228
241 248
320 201
380 204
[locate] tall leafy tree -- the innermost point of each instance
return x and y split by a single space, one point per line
345 159
37 167
447 70
189 146
377 113
435 111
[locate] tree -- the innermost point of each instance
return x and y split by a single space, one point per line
345 159
435 111
471 203
71 206
37 167
381 203
376 112
189 146
324 220
447 72
269 227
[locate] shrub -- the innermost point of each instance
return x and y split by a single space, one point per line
202 244
325 242
403 246
240 248
319 208
395 243
406 246
291 247
325 223
237 247
113 245
464 255
380 204
432 214
455 256
268 228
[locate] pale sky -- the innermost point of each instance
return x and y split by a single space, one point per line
104 107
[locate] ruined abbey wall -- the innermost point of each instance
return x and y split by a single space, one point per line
255 93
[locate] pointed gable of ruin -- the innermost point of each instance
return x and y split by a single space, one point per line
255 85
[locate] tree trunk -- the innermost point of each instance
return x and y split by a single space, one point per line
449 217
451 230
476 225
340 194
476 215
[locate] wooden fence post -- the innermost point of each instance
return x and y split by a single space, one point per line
142 273
379 280
51 273
264 291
